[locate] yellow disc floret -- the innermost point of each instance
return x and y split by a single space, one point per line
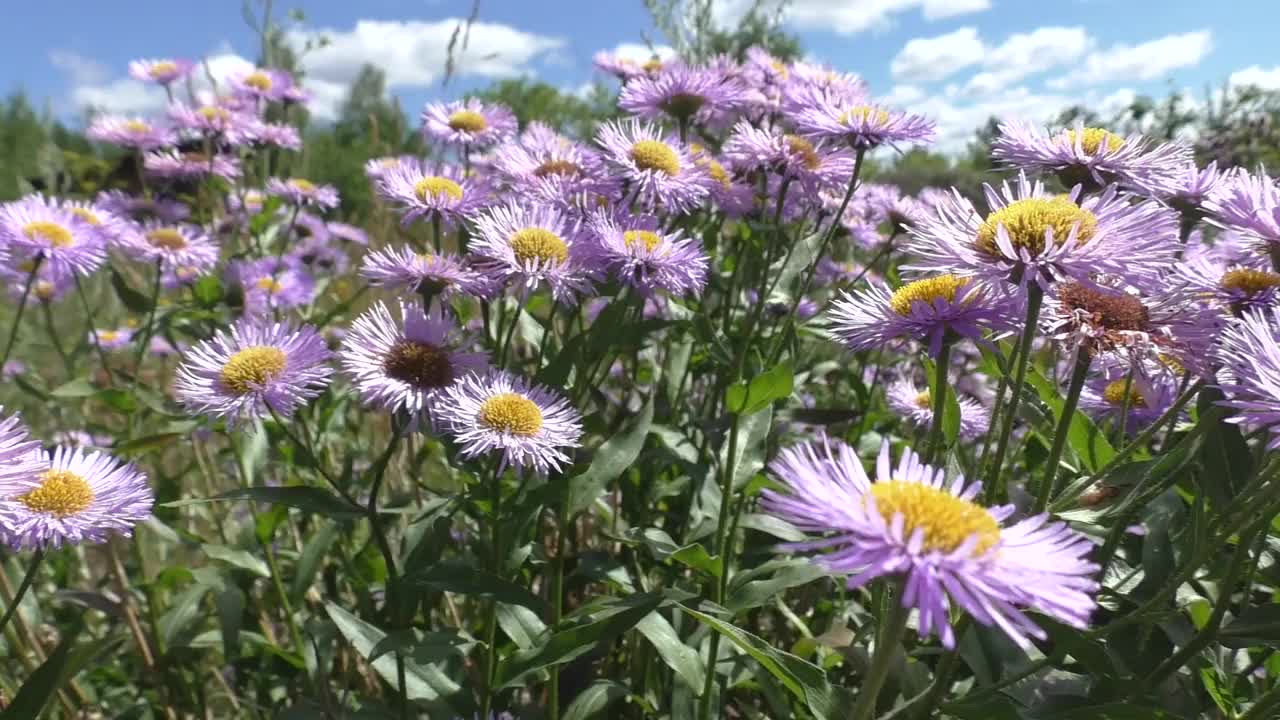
946 520
1250 282
1114 394
62 493
252 368
468 121
511 413
655 155
1093 139
804 150
259 81
538 244
429 188
167 238
1027 221
926 291
50 232
864 114
648 238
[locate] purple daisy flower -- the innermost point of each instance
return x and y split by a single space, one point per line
403 269
79 497
861 125
660 170
210 119
1250 355
161 72
468 123
348 233
791 156
258 133
111 339
1232 286
841 273
1122 321
533 246
1032 235
733 198
1191 186
698 95
261 84
130 132
174 165
1093 156
255 368
320 256
173 245
1152 391
20 459
375 168
35 226
911 522
545 166
113 228
271 285
529 424
51 282
916 405
300 191
405 364
1248 203
138 208
626 68
641 255
420 192
926 310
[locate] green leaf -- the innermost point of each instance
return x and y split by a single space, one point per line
611 460
230 604
122 401
746 398
144 445
47 679
681 658
208 291
303 497
693 555
751 446
1088 443
521 624
422 682
746 592
1256 626
597 698
312 556
467 579
183 611
238 558
78 388
597 623
132 299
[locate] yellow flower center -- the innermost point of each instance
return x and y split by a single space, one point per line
533 243
1027 221
947 521
717 172
44 289
926 291
923 400
648 238
1250 282
1114 394
303 185
107 336
511 413
419 364
252 368
50 232
259 81
213 112
137 126
62 493
780 68
557 167
864 114
1092 139
655 155
167 238
468 121
163 68
803 148
87 215
653 65
270 284
433 187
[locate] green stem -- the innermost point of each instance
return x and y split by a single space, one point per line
892 630
720 585
22 306
1268 701
563 523
151 319
939 398
93 329
1081 370
388 556
56 340
491 621
1126 404
27 579
995 490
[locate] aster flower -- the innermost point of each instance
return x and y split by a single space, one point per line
254 368
1032 235
860 125
19 454
272 285
137 207
348 233
1190 187
468 123
129 132
1120 321
317 254
256 132
1248 203
173 245
842 273
916 406
422 193
161 72
626 68
111 339
1151 393
80 497
545 166
402 269
405 364
928 310
659 169
35 226
733 198
211 119
51 282
375 168
112 228
1093 156
911 522
687 95
791 156
1232 286
300 191
640 254
1249 352
261 84
532 246
174 165
530 425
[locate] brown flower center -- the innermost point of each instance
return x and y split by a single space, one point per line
419 364
1109 310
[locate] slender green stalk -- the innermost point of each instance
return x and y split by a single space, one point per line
557 601
893 627
36 559
491 619
22 306
93 329
1266 703
1126 404
1081 370
56 340
995 489
939 397
722 526
547 332
151 319
388 556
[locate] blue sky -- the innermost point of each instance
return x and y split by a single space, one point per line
956 60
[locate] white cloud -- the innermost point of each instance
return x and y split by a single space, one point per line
900 95
1146 61
941 9
1025 54
640 53
847 17
83 70
92 86
1267 79
934 58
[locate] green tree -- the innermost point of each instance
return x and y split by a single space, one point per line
537 101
